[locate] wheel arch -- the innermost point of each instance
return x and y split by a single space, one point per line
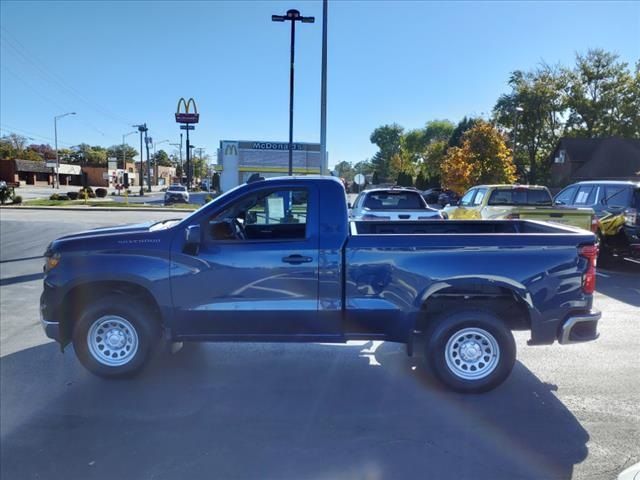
83 294
508 300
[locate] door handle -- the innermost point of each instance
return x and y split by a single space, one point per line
296 259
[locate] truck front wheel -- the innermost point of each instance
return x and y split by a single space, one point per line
471 351
115 336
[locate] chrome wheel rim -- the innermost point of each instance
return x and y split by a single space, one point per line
112 340
472 353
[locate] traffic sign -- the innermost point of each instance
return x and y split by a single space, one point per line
359 179
187 127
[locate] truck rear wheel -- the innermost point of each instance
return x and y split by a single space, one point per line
471 351
115 336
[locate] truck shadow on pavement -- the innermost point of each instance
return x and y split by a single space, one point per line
277 411
621 282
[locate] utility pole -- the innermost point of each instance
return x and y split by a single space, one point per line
323 93
143 130
292 16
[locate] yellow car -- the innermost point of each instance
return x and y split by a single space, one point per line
530 202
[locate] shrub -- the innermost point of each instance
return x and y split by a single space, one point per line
72 195
55 196
62 196
5 194
17 199
101 192
88 190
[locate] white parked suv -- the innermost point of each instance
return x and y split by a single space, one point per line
176 193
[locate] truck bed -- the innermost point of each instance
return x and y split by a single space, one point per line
462 227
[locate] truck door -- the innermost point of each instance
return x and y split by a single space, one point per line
256 271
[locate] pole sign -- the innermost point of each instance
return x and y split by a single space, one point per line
187 127
187 116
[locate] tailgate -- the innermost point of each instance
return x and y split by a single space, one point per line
573 217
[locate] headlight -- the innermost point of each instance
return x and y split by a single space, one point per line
52 262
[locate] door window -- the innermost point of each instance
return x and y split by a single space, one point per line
585 196
465 201
266 215
565 197
481 192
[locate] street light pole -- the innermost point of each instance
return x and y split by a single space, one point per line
323 92
142 129
55 134
292 16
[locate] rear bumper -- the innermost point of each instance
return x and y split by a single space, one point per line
580 328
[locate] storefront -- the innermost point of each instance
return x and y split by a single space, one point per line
238 160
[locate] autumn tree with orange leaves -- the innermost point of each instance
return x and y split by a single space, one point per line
483 158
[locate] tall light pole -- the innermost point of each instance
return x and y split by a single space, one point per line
124 157
143 130
516 110
179 145
292 16
55 132
323 92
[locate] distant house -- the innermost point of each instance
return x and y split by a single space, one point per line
577 159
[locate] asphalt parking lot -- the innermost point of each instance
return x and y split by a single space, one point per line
305 411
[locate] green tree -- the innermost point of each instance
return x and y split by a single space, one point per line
539 94
162 158
600 93
388 139
344 170
116 151
375 179
438 130
455 140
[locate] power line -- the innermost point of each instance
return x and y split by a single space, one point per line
19 49
10 129
49 99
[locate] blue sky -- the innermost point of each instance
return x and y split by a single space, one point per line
118 63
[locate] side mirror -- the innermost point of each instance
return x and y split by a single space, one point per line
192 239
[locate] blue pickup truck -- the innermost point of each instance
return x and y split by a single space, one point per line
278 260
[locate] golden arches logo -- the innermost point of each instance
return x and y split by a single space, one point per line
187 104
187 116
230 149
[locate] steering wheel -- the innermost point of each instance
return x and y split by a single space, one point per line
239 230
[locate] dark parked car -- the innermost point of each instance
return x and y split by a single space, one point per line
260 264
617 205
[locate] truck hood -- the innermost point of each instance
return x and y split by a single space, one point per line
115 230
118 237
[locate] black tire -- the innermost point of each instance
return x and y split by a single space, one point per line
106 313
482 334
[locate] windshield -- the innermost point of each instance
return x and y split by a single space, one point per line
391 200
177 188
520 196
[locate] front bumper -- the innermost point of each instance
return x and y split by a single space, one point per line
51 329
580 328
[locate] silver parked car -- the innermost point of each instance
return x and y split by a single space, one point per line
396 203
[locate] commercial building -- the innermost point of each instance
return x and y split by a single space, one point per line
239 159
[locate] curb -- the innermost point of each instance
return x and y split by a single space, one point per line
89 208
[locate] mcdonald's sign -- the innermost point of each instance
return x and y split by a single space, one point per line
231 149
187 116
